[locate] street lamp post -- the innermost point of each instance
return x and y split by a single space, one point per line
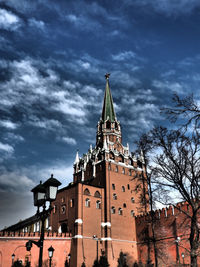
50 250
13 257
41 194
96 238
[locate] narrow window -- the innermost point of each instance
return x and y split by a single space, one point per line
124 205
139 164
132 200
120 211
98 204
132 213
113 186
113 210
87 202
130 162
128 186
121 159
123 189
123 171
47 223
71 203
37 226
116 169
54 209
109 167
108 125
114 196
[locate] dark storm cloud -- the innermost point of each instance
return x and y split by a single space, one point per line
53 57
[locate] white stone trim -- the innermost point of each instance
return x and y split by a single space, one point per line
80 221
78 236
103 224
106 239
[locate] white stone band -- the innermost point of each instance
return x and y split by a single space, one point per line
103 224
80 221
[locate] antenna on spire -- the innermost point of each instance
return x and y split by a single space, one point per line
107 75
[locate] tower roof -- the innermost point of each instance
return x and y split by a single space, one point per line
108 111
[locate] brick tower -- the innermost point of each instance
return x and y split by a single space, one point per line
99 207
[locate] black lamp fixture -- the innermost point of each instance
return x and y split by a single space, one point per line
45 192
51 187
13 257
50 250
39 194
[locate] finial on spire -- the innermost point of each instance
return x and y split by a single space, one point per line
107 75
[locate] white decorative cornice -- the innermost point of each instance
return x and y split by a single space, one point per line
103 224
79 221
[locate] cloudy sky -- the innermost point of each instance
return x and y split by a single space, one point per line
53 57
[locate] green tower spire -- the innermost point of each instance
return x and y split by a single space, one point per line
108 107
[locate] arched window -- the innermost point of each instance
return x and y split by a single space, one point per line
114 196
121 158
113 186
87 202
111 155
113 210
87 192
132 213
123 188
116 169
124 205
97 194
98 204
123 171
132 200
130 161
120 212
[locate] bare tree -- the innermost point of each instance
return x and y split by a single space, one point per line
175 167
186 108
